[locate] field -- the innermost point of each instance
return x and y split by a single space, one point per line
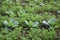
29 19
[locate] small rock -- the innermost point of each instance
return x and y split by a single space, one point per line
52 21
45 25
41 4
5 22
15 23
31 5
45 22
58 11
35 24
